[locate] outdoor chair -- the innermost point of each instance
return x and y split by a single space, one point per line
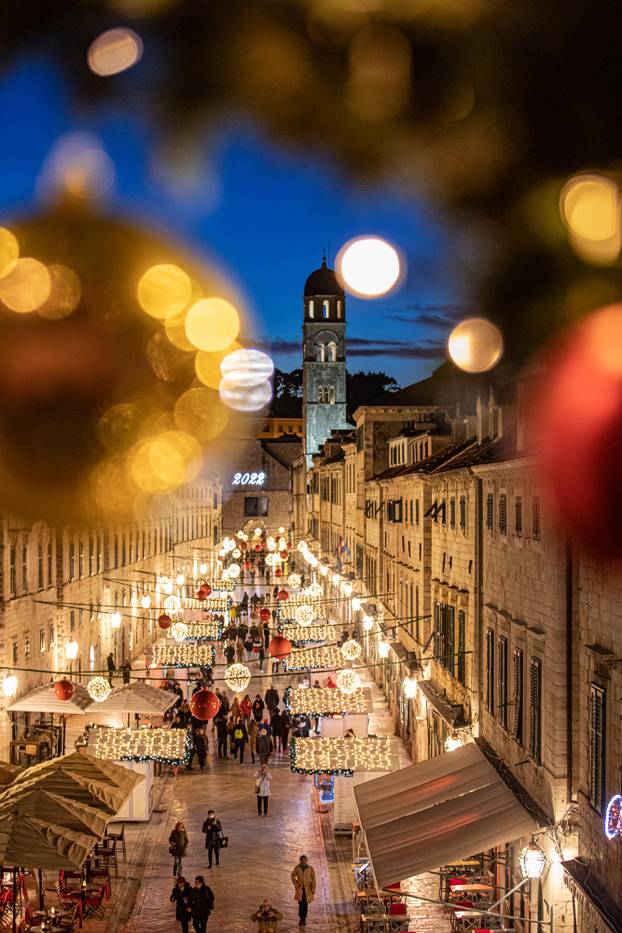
108 851
99 874
118 835
93 906
69 900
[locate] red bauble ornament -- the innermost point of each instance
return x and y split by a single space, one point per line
164 621
201 594
247 565
258 547
264 615
207 589
283 595
280 647
283 555
243 545
64 689
204 704
278 572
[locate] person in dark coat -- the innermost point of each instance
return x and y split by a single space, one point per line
112 667
177 845
213 833
266 636
126 669
258 708
202 902
287 724
272 698
199 747
221 732
181 897
240 738
276 725
264 745
230 653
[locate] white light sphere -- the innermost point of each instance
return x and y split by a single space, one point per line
269 560
304 614
356 603
71 650
302 546
346 588
202 568
409 686
98 689
314 590
294 580
145 602
237 677
172 604
168 587
236 553
368 267
324 570
180 579
246 367
115 620
179 631
335 578
234 571
351 649
383 649
475 345
9 685
271 544
348 681
245 398
368 623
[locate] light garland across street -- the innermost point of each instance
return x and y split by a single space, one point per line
309 659
326 701
312 634
203 631
169 746
342 755
184 655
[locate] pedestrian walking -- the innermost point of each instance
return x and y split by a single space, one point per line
177 845
199 748
276 727
221 734
202 902
126 669
253 729
263 783
213 837
112 667
272 698
286 723
303 879
235 709
181 897
268 917
246 707
264 745
258 707
240 739
230 652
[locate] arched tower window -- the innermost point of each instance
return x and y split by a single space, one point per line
326 309
311 308
321 353
331 352
339 309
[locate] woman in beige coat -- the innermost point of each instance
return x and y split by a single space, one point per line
303 879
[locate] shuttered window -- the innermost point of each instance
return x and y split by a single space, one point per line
490 671
517 695
463 513
452 512
535 709
597 747
461 672
535 517
518 516
490 512
503 514
449 649
502 681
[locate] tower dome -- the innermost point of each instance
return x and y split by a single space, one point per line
323 282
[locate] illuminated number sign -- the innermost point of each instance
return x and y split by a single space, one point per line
613 817
248 479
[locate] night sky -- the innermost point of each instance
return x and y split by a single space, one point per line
264 213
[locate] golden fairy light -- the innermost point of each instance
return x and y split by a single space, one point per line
99 689
368 267
65 293
138 744
212 324
348 680
375 753
26 287
591 208
183 655
179 631
308 659
164 289
237 677
475 345
351 649
9 251
207 364
114 51
323 701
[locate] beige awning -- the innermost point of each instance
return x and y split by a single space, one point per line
137 697
30 843
44 700
448 807
33 801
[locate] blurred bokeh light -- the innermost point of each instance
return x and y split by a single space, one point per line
114 51
368 267
475 345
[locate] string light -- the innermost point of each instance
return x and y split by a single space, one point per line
314 590
335 579
368 623
409 687
208 631
234 570
145 602
180 579
308 659
168 746
179 631
310 634
115 620
237 677
304 614
346 588
99 689
342 756
9 685
294 580
351 649
184 655
172 604
356 603
383 649
348 680
326 701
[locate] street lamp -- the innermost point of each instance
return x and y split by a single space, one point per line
115 620
453 741
532 861
71 650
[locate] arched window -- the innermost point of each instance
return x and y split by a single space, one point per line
331 395
311 308
321 394
321 353
331 354
325 309
339 308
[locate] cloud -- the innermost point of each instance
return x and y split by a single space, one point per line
367 347
430 314
279 345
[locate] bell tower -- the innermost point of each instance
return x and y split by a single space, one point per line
323 358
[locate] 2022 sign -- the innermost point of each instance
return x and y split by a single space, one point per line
248 479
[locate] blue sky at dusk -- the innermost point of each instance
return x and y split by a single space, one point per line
263 212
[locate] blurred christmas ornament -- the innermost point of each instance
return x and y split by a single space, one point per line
99 689
64 689
280 647
283 595
237 677
164 621
264 615
204 704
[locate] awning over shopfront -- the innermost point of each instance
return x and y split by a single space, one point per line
44 700
448 807
137 697
452 714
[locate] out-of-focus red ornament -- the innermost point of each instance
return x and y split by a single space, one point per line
579 424
258 547
280 647
283 595
204 704
164 621
243 545
247 565
264 615
201 594
207 589
283 555
278 572
64 689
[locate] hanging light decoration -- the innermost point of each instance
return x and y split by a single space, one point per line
348 681
204 704
180 579
271 544
64 689
71 650
368 623
164 621
98 689
453 742
234 571
172 604
304 614
237 677
532 861
409 687
270 560
282 596
314 590
9 685
335 579
294 580
168 587
324 570
115 620
179 631
346 588
145 602
264 615
356 603
351 649
236 553
383 649
280 647
202 568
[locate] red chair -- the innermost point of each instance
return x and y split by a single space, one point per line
92 902
398 910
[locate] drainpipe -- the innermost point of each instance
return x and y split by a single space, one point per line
569 667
